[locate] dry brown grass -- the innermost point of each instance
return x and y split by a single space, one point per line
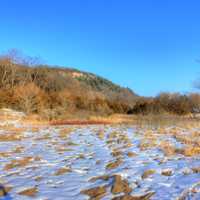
30 192
18 149
146 144
100 134
168 148
14 129
20 162
149 141
183 130
10 137
186 139
191 150
33 119
116 153
65 132
62 171
115 164
5 154
148 173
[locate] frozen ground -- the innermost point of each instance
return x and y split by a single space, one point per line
62 163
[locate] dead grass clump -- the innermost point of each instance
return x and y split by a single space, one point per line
116 153
46 136
167 172
12 133
103 177
120 185
196 169
18 149
64 133
33 119
161 130
191 151
123 138
187 139
9 137
95 193
195 134
62 149
100 134
62 171
16 129
38 178
131 154
31 192
148 173
115 164
149 133
5 154
113 135
175 129
35 129
168 148
147 143
146 196
19 163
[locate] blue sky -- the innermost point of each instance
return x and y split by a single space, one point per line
147 45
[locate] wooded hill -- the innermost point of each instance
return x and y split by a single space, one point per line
59 91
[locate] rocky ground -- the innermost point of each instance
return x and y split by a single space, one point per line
119 162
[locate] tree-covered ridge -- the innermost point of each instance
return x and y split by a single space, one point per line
58 90
54 92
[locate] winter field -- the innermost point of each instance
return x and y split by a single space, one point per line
77 162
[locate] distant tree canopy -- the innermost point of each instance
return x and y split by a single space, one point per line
174 103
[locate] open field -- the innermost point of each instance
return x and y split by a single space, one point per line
147 160
100 100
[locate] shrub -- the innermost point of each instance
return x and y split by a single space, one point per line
29 98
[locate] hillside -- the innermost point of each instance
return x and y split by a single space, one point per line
55 92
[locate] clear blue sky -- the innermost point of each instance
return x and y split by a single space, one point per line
147 45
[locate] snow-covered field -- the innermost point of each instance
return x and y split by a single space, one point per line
99 162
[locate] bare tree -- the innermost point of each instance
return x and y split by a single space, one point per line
18 57
30 98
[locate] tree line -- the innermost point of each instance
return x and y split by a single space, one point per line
52 92
171 103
